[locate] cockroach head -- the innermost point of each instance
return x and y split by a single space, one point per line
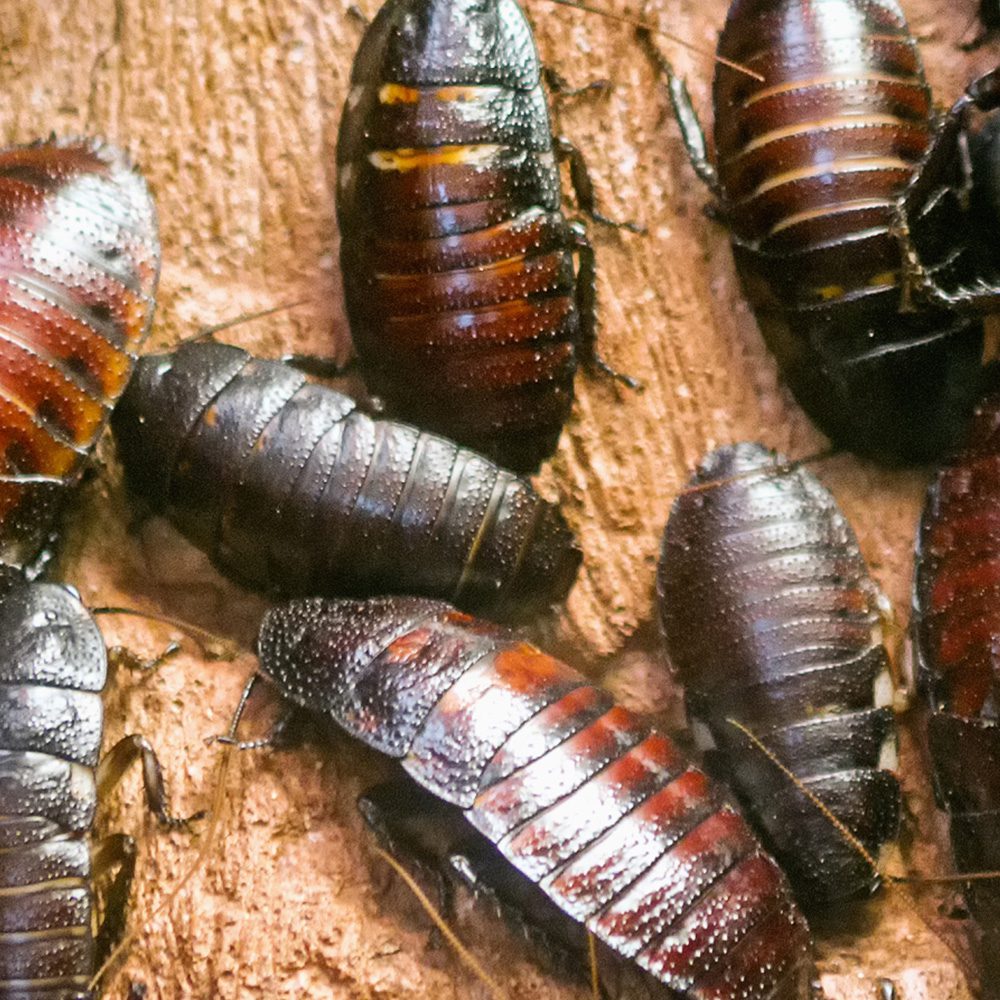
448 43
328 657
316 649
734 460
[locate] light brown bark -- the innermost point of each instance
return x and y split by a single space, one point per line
231 108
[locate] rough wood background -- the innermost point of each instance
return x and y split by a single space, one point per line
231 108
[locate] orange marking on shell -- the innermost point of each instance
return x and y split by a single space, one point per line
396 93
452 94
407 647
524 668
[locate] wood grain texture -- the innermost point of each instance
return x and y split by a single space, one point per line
231 108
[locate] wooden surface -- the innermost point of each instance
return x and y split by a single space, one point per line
231 108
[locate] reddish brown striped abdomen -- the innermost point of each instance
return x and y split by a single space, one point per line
604 814
812 161
456 258
771 619
956 635
79 261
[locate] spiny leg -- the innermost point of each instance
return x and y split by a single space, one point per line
583 186
118 850
120 758
692 131
122 656
560 87
586 305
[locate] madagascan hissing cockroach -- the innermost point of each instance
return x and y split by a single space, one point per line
457 260
79 262
771 619
53 666
600 812
289 487
844 197
956 639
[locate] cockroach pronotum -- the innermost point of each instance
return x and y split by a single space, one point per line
53 666
956 639
289 487
541 774
843 194
457 259
79 262
772 620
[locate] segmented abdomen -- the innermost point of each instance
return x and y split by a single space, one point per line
956 635
79 261
771 619
457 260
814 156
286 485
617 828
812 161
52 669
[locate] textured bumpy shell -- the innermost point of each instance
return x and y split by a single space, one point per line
956 636
603 813
79 262
456 258
52 669
811 162
770 618
288 487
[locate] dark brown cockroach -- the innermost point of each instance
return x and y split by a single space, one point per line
79 261
53 666
545 776
956 639
844 197
771 619
457 260
989 14
289 487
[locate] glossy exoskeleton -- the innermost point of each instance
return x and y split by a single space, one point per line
79 261
53 666
289 487
771 619
956 636
457 259
844 196
543 775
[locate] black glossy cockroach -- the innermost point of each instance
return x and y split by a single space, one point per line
771 619
543 775
289 487
53 666
844 197
457 260
79 262
956 639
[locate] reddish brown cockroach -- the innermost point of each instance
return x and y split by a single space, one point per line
956 639
79 262
456 256
844 197
289 487
771 619
603 814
